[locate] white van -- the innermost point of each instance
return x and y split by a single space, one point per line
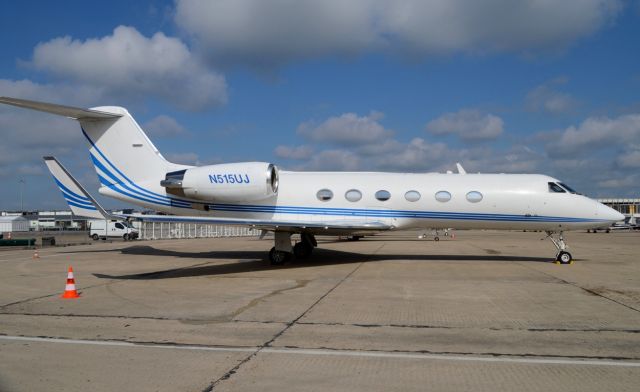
112 228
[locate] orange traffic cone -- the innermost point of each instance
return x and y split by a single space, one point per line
70 288
36 255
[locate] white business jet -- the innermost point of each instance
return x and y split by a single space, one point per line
259 195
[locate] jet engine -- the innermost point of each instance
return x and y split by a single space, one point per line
230 182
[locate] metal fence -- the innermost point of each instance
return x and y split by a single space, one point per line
169 230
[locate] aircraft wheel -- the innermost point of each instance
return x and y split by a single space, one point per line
95 237
278 257
564 257
436 238
302 250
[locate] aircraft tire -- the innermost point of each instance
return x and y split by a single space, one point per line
436 238
302 250
564 257
278 257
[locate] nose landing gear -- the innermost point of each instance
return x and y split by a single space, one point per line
563 256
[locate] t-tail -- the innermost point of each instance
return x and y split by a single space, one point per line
128 165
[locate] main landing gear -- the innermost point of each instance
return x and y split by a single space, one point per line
563 256
283 251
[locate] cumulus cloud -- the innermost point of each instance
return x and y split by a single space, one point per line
296 152
468 124
546 97
128 63
349 129
597 133
184 158
269 34
163 126
333 160
630 158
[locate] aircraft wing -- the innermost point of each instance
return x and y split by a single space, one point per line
79 200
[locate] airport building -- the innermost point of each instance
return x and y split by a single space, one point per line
629 207
13 223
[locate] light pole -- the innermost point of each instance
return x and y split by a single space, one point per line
21 181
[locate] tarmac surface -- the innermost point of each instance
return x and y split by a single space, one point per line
485 311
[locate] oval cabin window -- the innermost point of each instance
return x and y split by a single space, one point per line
443 196
353 195
474 196
383 195
324 195
412 196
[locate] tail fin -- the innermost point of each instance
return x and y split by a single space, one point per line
121 152
79 200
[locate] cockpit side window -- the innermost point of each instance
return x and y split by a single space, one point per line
555 188
567 187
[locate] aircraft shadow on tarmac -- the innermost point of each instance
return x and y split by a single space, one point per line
253 261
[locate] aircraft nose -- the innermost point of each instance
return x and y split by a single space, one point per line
608 213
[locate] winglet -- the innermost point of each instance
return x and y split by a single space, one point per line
67 111
460 168
79 200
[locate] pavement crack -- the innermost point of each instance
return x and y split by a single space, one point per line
468 353
267 344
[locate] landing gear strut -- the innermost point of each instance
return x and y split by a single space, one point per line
563 256
283 251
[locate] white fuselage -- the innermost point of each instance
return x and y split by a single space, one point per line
509 201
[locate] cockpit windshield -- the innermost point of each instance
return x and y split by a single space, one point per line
567 187
555 188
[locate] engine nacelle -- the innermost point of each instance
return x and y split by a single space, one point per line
230 182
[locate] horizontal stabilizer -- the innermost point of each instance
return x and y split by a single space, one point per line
67 111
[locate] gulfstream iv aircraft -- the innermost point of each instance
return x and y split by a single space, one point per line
258 194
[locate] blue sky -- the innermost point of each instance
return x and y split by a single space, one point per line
501 86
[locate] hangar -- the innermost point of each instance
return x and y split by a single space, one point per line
13 223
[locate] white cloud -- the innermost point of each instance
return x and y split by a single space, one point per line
468 125
271 33
629 159
163 126
297 152
128 63
333 160
268 34
348 129
618 183
546 97
597 133
184 158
